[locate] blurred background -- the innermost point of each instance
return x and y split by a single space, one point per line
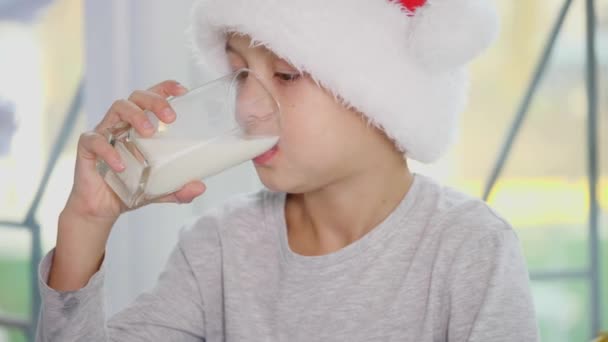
48 48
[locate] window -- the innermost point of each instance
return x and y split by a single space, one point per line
41 67
543 187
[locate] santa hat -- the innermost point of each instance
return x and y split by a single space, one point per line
400 63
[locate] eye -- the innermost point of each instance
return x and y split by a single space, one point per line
287 77
242 75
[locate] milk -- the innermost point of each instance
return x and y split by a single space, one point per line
174 163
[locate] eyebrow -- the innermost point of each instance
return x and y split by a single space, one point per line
230 48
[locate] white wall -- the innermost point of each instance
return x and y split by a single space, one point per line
132 45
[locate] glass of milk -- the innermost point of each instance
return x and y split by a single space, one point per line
218 125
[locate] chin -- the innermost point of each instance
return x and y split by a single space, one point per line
276 181
285 183
272 181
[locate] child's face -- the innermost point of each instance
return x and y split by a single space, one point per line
321 141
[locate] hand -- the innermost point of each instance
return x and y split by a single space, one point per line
91 197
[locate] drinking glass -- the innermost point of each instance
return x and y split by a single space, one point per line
218 125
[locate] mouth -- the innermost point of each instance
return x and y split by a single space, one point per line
267 156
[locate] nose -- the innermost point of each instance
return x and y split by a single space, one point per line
257 111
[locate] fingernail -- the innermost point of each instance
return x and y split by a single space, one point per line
168 113
120 165
148 125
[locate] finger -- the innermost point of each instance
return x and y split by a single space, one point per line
168 88
93 145
128 112
155 103
186 194
162 90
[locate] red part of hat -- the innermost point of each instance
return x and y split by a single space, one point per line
412 5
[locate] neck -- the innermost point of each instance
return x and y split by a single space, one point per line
331 218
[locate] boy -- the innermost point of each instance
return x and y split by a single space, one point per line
346 244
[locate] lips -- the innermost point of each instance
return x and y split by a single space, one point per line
266 156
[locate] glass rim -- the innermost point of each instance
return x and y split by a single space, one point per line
232 76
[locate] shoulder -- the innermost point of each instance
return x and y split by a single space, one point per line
458 212
460 222
472 240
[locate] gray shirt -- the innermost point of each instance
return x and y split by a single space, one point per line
442 266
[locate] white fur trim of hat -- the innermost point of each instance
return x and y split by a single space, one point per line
400 63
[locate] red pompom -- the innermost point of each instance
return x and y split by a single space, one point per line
412 5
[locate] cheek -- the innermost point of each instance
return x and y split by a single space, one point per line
319 137
305 144
315 128
308 112
320 142
304 128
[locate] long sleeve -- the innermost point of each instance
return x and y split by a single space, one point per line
489 291
171 311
